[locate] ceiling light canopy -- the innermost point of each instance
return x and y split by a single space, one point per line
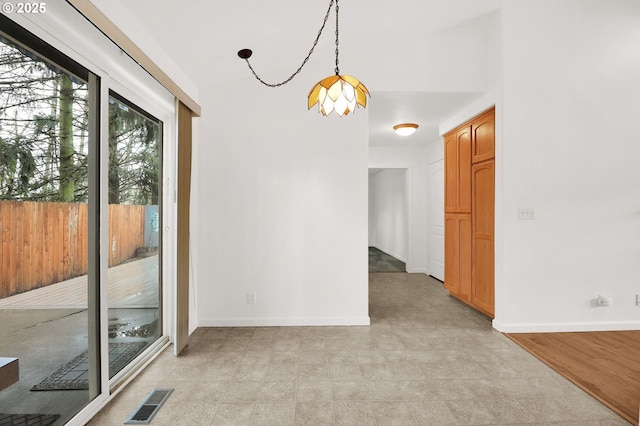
339 93
405 129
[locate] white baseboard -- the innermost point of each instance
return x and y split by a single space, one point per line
284 322
565 327
417 271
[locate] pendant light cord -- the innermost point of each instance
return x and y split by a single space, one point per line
304 62
337 39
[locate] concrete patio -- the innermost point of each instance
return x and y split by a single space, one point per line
47 327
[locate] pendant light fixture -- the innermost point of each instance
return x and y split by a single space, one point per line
340 93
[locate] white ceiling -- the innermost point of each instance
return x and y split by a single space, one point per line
401 52
426 109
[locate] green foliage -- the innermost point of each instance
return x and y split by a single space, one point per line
133 156
18 162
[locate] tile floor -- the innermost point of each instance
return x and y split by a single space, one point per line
426 359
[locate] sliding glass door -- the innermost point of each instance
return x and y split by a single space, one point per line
81 213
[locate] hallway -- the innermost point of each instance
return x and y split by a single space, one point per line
425 359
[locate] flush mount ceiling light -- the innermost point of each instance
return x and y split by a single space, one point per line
405 129
340 93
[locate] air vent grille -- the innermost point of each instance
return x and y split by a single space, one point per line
145 412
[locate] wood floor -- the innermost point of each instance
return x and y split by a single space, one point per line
604 364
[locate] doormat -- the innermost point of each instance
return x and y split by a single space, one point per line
380 261
74 375
28 419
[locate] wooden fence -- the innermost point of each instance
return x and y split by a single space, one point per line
44 243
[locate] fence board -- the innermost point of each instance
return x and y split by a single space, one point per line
58 252
5 217
83 243
27 249
38 241
42 243
12 258
47 247
65 222
18 242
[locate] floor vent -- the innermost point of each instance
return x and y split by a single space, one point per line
149 407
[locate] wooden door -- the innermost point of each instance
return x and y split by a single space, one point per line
450 173
436 222
451 255
463 139
457 154
483 147
457 255
482 277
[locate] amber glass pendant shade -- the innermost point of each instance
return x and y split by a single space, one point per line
339 93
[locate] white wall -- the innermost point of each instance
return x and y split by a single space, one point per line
420 68
372 214
413 160
388 211
282 200
570 150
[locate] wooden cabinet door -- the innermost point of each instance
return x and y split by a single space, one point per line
450 173
457 169
483 146
457 255
463 139
482 276
451 264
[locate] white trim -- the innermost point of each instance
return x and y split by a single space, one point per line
565 326
93 408
98 18
283 321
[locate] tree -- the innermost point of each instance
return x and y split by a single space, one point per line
44 137
67 151
43 122
133 156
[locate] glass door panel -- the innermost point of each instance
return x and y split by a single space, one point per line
46 151
134 288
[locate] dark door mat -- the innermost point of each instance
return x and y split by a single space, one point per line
74 375
380 261
28 419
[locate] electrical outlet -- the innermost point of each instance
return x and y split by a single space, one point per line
604 301
251 298
637 299
526 213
